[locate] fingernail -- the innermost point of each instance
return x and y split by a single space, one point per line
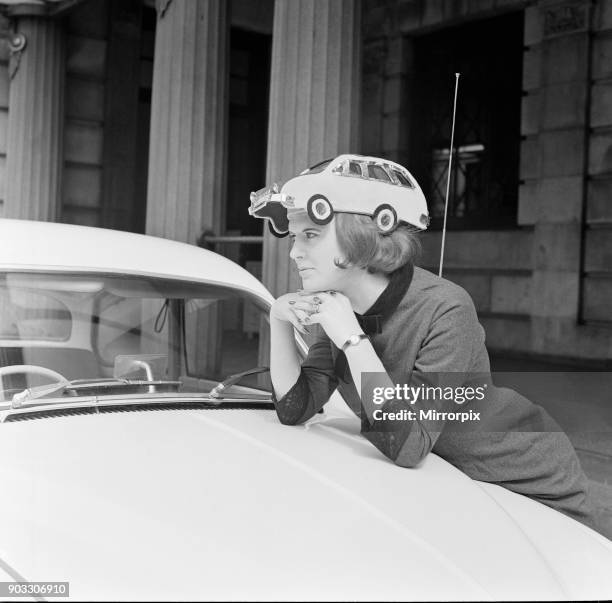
316 300
307 319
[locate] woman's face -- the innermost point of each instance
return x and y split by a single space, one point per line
314 249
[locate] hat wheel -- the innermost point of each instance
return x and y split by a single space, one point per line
385 218
319 210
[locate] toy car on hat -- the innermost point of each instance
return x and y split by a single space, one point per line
355 184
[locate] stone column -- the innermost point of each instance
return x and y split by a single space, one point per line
188 120
553 166
188 139
314 102
35 120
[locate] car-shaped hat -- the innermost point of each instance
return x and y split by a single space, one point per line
355 184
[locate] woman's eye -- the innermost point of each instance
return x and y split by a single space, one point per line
311 235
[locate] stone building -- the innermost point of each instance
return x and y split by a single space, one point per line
160 117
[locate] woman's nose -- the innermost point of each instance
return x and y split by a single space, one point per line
296 250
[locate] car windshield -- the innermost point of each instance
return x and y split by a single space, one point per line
318 167
100 327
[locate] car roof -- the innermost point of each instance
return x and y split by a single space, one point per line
49 246
368 158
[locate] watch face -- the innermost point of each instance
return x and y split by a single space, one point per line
354 339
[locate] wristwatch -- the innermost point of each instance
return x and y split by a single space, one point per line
353 340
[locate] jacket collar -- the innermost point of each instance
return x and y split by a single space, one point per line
371 321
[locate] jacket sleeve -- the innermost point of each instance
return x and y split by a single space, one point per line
313 388
444 358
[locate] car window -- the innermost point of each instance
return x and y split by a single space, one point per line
378 173
85 328
224 337
221 329
28 314
354 168
403 180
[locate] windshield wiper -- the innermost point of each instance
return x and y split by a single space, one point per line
43 391
92 388
32 393
216 391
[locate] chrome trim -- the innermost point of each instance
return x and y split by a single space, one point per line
300 343
123 400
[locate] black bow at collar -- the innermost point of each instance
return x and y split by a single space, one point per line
371 324
373 319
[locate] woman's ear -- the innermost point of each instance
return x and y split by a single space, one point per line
342 263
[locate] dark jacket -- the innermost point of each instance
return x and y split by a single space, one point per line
425 331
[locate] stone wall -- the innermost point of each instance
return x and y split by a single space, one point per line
4 102
566 191
86 46
97 175
495 267
598 251
526 282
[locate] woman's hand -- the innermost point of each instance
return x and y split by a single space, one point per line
292 308
333 311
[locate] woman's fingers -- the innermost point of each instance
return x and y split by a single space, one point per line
319 307
325 301
298 321
300 315
301 318
314 318
309 294
299 327
305 306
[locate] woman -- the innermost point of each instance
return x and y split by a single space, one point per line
387 323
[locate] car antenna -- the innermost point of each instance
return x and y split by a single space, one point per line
448 179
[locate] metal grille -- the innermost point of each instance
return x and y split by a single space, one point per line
65 412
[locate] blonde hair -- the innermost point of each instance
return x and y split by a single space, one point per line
366 247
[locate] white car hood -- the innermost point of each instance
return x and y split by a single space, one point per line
229 504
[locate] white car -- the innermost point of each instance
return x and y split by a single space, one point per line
130 474
357 184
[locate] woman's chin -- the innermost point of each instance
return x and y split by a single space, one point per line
307 287
313 282
310 284
304 276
